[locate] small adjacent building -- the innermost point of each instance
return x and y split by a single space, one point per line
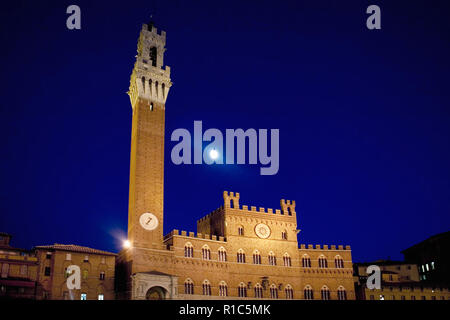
399 281
18 270
96 266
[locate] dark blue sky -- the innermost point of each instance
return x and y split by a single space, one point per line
364 116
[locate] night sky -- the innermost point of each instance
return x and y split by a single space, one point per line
364 116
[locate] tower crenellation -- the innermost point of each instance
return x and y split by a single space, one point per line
287 207
150 79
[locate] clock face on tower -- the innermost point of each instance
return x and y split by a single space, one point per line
148 221
262 231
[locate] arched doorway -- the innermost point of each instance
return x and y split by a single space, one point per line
156 293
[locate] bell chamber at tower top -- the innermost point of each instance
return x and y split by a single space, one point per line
150 79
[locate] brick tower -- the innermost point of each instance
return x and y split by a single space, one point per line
149 86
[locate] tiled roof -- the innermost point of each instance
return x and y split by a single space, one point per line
75 248
158 273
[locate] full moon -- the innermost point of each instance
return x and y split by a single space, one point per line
214 154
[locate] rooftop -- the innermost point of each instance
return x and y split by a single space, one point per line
75 248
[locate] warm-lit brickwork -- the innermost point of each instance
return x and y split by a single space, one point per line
96 266
238 251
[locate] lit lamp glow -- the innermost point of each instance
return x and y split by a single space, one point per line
126 244
214 154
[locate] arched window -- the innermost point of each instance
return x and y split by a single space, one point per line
241 256
256 257
223 289
188 250
289 292
241 230
342 294
156 89
272 259
222 254
151 106
188 286
323 263
338 262
150 86
273 291
325 293
143 83
163 89
206 286
242 290
206 253
258 291
153 55
287 260
284 235
308 293
306 261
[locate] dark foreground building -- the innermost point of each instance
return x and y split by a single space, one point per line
432 257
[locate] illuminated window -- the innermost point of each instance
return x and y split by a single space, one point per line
206 286
325 293
342 294
289 292
188 286
151 106
338 262
222 254
287 260
242 290
240 230
273 292
308 293
206 253
323 263
83 296
306 261
188 250
256 257
100 296
272 259
86 258
241 256
102 275
223 289
258 291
